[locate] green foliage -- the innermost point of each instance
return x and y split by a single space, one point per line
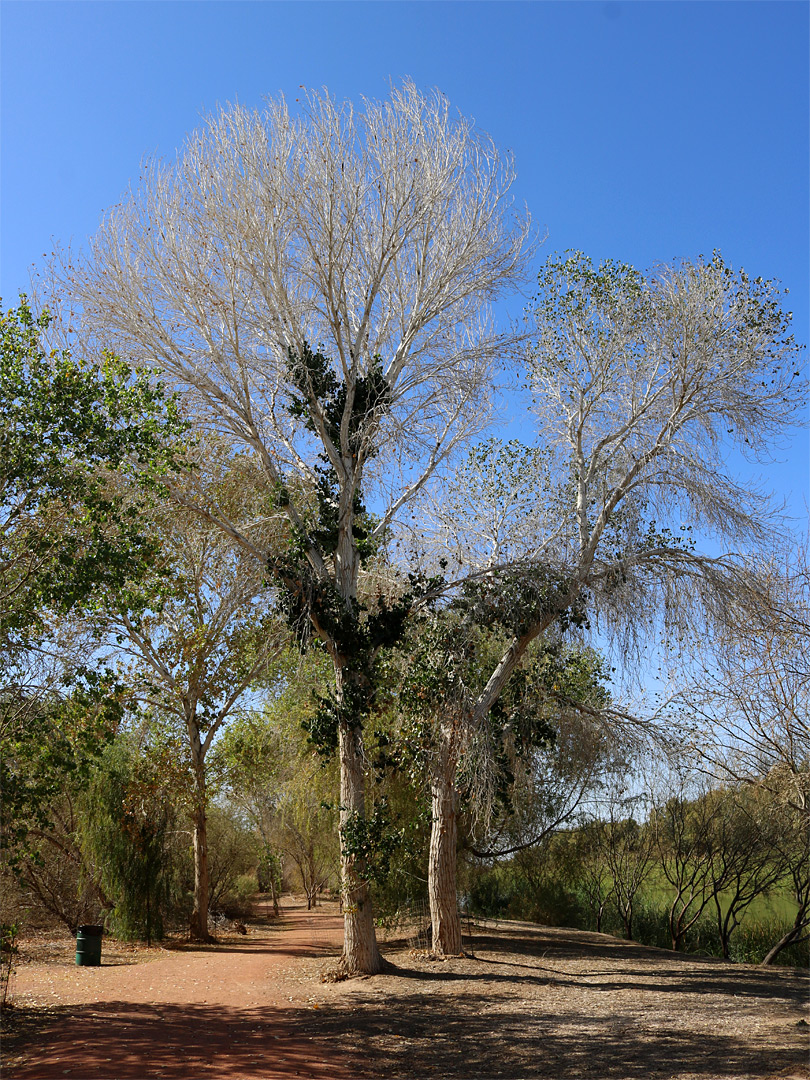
489 894
322 398
8 954
517 599
245 887
233 851
554 675
272 778
55 874
373 839
404 882
268 870
67 533
128 823
321 403
544 886
50 742
448 661
65 426
573 290
756 936
360 632
343 413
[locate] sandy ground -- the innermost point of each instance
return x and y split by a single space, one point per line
526 1001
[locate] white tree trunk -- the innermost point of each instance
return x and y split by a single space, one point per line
199 915
360 953
444 915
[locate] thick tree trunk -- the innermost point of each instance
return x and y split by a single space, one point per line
199 916
360 953
444 914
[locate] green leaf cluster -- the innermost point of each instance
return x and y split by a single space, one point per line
372 841
66 428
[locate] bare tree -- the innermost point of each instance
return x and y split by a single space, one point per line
628 849
746 861
640 385
792 848
683 832
378 235
306 835
744 705
591 873
745 701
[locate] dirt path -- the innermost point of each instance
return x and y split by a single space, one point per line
527 1002
228 1011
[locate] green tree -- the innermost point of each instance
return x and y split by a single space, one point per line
639 384
50 736
504 769
745 860
274 776
198 631
67 429
128 827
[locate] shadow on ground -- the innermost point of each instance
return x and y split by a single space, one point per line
392 1039
131 1042
430 1021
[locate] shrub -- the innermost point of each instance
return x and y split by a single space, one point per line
489 895
246 887
233 852
127 828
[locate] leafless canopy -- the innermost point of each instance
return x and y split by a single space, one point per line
641 385
745 702
376 234
377 239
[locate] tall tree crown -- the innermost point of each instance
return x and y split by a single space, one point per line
378 236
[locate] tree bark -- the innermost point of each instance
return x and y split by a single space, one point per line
793 935
444 914
360 953
198 924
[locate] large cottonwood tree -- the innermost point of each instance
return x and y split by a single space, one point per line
642 385
377 238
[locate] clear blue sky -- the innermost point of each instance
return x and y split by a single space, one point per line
642 131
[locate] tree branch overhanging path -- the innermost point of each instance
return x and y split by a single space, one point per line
376 237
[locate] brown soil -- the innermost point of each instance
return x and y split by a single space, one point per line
527 1001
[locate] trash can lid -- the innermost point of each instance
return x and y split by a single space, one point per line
91 929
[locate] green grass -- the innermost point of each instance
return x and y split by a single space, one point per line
498 893
777 905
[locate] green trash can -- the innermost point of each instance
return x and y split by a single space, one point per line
88 945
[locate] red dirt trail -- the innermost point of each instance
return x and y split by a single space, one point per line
225 1012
